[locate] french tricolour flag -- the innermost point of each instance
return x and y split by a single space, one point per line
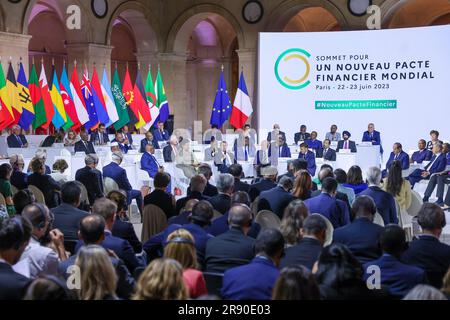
242 107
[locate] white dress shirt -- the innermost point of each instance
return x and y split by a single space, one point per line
41 260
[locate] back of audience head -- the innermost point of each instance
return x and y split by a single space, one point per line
329 185
296 283
23 198
117 157
302 184
98 276
395 178
71 193
364 207
60 166
39 217
105 208
373 176
161 180
314 226
240 197
292 222
202 213
119 199
340 175
325 173
240 217
205 170
48 288
431 219
393 240
91 160
15 234
17 162
5 171
235 170
299 164
225 183
354 175
92 229
269 173
161 280
424 292
180 246
190 205
198 183
37 166
270 244
286 183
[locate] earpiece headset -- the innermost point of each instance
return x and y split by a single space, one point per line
43 216
181 240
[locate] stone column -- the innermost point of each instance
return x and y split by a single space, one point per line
146 59
14 46
88 54
247 63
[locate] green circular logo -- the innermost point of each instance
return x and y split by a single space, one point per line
285 57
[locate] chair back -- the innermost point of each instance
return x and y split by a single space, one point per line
267 219
37 194
330 230
378 219
216 215
2 200
110 185
213 283
416 204
154 221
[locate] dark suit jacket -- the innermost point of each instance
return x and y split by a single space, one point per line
19 180
93 181
400 278
375 139
403 157
339 195
229 250
192 195
329 155
48 142
221 202
310 158
48 186
257 188
301 137
168 155
285 151
95 137
162 200
220 226
125 230
13 142
352 146
210 190
145 142
305 253
385 203
149 164
80 147
124 148
118 174
335 210
13 285
164 136
431 255
277 199
269 136
241 186
421 156
67 219
362 239
246 283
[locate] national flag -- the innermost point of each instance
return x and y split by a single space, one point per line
109 100
151 100
25 101
141 102
67 98
11 86
46 98
242 107
36 97
128 94
221 109
99 101
161 99
60 118
78 99
121 103
89 102
6 113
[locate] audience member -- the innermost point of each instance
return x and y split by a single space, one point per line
423 154
84 145
268 182
16 139
278 198
302 185
236 171
309 157
399 155
397 186
45 183
197 188
19 179
48 288
225 186
91 178
437 165
341 178
355 180
5 187
292 222
23 198
59 167
183 217
159 197
296 283
148 140
424 292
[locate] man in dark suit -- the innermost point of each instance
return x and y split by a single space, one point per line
273 135
283 148
346 144
210 190
197 187
315 144
278 198
92 232
362 235
149 162
127 136
123 145
326 153
91 178
244 150
160 134
19 179
268 182
427 252
308 249
119 175
48 186
397 154
15 234
222 201
373 136
224 158
233 248
159 197
84 145
301 136
213 134
384 201
245 282
423 154
236 171
327 205
100 137
437 165
398 277
17 139
326 171
309 157
67 215
149 139
183 217
171 150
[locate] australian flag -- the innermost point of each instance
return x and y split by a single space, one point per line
222 104
86 89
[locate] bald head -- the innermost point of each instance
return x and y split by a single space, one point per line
325 173
240 216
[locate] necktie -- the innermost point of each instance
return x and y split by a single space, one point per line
346 145
20 141
265 158
396 156
100 138
246 154
280 151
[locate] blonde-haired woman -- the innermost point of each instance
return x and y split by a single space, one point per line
98 277
181 247
162 280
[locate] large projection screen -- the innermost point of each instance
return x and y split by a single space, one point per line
398 79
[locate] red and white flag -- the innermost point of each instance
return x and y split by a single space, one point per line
242 107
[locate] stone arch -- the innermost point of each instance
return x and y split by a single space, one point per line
312 19
279 17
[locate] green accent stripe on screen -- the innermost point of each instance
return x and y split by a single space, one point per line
355 104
